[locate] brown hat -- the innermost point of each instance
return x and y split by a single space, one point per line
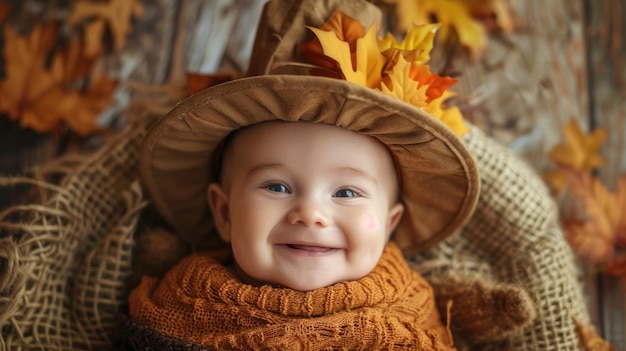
439 179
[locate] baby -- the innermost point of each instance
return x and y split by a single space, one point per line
305 205
319 186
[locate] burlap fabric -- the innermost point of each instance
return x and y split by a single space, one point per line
65 263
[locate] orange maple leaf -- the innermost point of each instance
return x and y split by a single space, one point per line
580 150
593 237
436 84
39 96
592 341
116 13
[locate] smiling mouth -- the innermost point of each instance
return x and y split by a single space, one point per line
310 248
305 250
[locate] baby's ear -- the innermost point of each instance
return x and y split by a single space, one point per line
393 219
218 202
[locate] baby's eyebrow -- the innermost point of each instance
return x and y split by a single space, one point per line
265 167
356 172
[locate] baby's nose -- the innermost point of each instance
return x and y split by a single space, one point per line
309 213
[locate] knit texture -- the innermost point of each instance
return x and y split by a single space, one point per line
202 301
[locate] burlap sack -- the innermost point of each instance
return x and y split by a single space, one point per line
64 266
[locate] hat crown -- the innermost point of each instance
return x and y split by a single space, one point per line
283 26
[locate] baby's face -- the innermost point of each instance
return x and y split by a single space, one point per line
305 205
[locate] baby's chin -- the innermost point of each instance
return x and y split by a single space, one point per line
311 284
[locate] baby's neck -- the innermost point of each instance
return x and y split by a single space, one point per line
245 278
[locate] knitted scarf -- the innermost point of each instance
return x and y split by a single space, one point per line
202 301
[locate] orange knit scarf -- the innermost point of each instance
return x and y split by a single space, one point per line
200 300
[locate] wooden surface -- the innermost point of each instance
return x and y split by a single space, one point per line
606 61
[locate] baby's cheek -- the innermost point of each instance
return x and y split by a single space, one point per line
370 222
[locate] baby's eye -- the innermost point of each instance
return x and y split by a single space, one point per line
346 193
278 188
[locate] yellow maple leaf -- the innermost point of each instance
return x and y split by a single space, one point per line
347 29
579 151
419 41
454 17
399 85
368 60
452 116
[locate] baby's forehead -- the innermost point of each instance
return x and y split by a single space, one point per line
307 143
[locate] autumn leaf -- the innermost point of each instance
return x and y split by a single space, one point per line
593 237
437 85
451 117
580 150
39 96
368 60
465 21
346 28
116 13
453 16
81 54
393 72
401 86
418 42
591 340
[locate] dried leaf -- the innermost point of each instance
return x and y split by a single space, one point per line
583 238
593 237
116 13
555 179
580 150
39 96
591 340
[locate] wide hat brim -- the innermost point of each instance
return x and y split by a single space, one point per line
439 179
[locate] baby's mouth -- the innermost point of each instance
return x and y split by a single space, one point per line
310 248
